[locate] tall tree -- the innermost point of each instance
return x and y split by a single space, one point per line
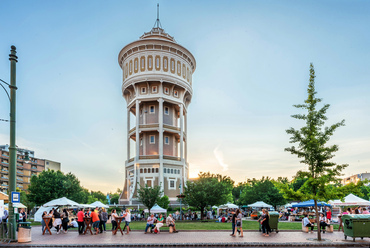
148 196
207 190
262 190
50 185
314 151
163 202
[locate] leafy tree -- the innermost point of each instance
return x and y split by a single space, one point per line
261 190
313 151
24 200
237 192
208 189
148 196
99 196
163 202
50 185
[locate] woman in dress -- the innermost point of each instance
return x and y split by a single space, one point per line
265 223
159 224
239 223
65 220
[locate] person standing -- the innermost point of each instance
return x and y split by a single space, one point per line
65 220
114 222
127 220
95 221
103 220
80 221
4 220
328 214
265 223
239 222
233 223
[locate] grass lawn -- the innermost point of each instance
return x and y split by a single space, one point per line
209 225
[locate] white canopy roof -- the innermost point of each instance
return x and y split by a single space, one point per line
86 206
350 200
156 209
38 214
99 204
61 202
260 204
228 205
17 205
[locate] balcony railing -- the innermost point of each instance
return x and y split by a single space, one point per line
149 157
171 158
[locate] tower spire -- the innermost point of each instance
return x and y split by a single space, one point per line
157 23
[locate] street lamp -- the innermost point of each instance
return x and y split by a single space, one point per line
12 148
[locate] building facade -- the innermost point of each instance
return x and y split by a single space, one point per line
157 86
25 168
356 178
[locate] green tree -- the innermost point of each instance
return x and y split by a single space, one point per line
99 196
208 189
50 185
148 196
314 151
237 190
163 202
261 190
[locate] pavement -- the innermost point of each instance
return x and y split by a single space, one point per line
188 239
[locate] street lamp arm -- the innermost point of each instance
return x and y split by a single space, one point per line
4 88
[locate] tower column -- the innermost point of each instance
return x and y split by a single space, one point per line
137 130
181 132
128 134
160 143
186 140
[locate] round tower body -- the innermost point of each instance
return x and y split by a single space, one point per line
157 86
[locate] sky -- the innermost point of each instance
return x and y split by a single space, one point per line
253 62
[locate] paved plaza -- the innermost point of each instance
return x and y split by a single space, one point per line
188 239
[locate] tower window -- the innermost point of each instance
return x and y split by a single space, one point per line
144 170
176 93
152 109
154 89
171 171
143 90
156 170
164 170
153 170
166 90
166 110
152 139
166 140
141 141
178 171
141 170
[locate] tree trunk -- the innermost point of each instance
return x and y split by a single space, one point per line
317 222
201 213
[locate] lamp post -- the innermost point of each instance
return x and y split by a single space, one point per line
12 148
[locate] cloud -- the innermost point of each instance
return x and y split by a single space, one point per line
220 158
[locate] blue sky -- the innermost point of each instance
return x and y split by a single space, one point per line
252 65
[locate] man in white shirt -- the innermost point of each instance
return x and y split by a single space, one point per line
171 222
150 223
307 223
73 224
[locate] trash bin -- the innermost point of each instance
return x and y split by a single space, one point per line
273 221
24 232
356 226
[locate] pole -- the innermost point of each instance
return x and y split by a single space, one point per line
12 149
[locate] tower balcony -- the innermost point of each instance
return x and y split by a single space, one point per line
154 159
154 127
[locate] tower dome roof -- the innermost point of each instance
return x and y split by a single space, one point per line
157 33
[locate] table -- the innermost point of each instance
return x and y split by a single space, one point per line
119 220
88 225
47 221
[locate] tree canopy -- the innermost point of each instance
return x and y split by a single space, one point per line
148 196
207 190
50 185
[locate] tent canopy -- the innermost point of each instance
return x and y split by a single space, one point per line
61 202
351 200
228 205
260 204
309 203
99 204
38 214
156 209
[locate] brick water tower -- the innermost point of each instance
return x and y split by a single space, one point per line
157 86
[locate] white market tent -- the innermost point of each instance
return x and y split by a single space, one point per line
61 202
228 205
260 204
86 206
99 204
38 214
156 209
350 200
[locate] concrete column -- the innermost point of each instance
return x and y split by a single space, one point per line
160 143
137 130
181 132
128 134
186 140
